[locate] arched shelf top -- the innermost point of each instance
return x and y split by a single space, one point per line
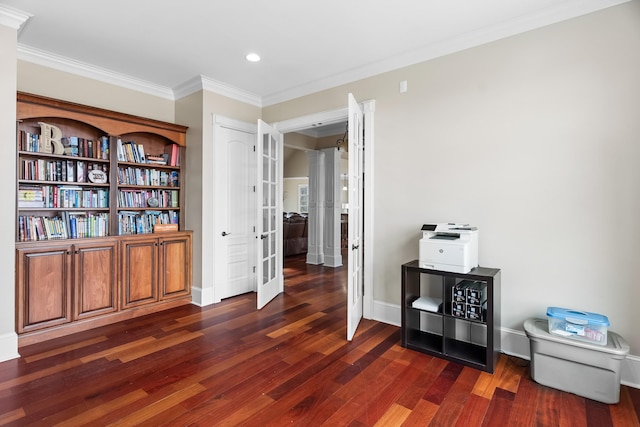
31 106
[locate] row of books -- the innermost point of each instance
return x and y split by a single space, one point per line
132 152
54 196
73 145
140 198
144 222
68 225
140 176
78 146
58 170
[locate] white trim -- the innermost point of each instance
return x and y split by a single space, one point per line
58 62
62 63
557 13
304 122
337 116
13 18
387 313
369 107
234 124
515 343
202 297
631 372
512 342
9 346
202 82
219 121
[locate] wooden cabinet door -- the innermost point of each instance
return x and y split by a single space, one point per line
43 286
175 273
139 271
95 281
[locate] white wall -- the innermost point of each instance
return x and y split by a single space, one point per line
8 337
534 139
291 202
197 112
296 164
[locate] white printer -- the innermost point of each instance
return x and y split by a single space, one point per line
449 247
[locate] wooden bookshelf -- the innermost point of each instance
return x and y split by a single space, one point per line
86 212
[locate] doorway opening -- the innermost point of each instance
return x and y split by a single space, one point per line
301 150
341 116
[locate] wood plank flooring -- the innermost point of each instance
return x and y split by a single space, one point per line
288 364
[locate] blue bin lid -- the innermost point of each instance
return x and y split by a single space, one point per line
577 316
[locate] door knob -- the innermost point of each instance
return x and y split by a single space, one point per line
224 233
354 247
263 236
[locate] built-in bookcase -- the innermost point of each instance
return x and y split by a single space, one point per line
85 172
63 192
99 218
148 181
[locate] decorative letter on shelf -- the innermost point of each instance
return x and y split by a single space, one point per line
51 135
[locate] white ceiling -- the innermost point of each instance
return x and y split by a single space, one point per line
305 46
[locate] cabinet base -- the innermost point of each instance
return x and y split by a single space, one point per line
35 337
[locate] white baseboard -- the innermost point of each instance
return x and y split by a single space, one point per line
387 313
513 342
631 372
333 261
9 346
202 297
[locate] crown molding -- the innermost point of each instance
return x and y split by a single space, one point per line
561 12
552 15
61 63
13 18
83 69
203 82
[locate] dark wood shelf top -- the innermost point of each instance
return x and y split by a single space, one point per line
63 183
38 154
149 166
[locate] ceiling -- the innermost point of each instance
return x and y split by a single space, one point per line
305 46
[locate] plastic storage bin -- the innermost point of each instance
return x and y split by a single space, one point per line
586 369
580 325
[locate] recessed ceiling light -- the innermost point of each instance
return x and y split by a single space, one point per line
253 57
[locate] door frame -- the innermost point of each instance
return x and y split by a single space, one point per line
246 127
337 116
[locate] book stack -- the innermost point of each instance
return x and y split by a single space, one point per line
173 151
148 177
131 152
157 159
139 198
68 225
30 196
143 222
77 146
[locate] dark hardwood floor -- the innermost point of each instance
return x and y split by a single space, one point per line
288 364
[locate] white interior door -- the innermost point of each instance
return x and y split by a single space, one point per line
235 213
355 281
269 149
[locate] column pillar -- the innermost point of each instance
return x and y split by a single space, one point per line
315 253
332 208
